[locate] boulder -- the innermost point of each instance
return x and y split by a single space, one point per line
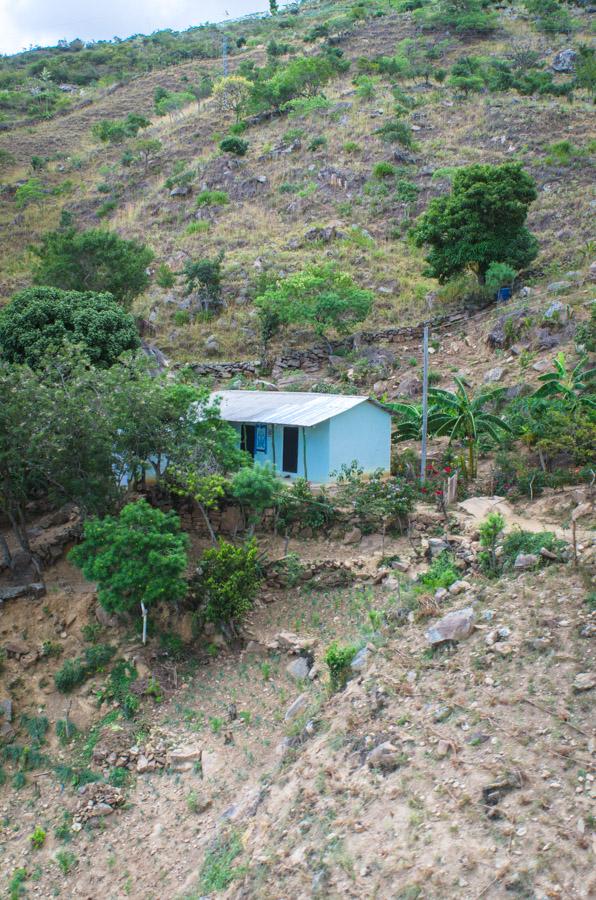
353 536
181 190
564 61
558 287
494 375
410 387
361 660
455 626
299 706
459 587
557 313
298 668
525 561
584 681
183 759
592 272
384 756
436 546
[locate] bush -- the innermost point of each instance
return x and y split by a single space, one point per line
297 505
75 671
499 275
38 838
585 334
118 688
255 487
375 500
383 170
212 198
440 574
490 531
234 145
406 191
227 582
518 541
338 659
317 142
395 131
164 276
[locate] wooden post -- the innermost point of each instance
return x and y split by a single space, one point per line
304 452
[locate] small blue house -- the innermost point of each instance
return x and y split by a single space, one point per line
309 435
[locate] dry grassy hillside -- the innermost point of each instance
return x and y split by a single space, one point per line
283 189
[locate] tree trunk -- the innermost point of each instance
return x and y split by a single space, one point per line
144 614
207 523
471 459
6 554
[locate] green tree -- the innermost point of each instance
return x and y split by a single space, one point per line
38 321
585 70
255 487
231 94
226 584
204 276
137 559
551 17
93 260
460 417
463 16
482 221
147 150
320 296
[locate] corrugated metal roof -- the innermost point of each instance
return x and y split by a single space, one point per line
285 407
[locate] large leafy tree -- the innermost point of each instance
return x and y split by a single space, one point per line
93 260
464 418
231 94
482 221
320 296
41 320
137 558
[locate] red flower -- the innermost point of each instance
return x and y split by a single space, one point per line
447 469
423 490
439 493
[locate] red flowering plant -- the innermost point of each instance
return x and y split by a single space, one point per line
434 487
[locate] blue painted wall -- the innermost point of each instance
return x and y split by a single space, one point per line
362 433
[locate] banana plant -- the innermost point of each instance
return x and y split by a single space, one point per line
572 385
409 421
464 418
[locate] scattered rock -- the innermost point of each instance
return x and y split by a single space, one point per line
558 287
564 61
183 759
443 748
525 561
442 713
584 681
557 312
298 668
436 546
385 756
410 386
292 643
296 709
212 345
37 589
181 190
494 375
354 536
455 626
441 593
361 660
459 587
325 234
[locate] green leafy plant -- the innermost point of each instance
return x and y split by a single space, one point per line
440 574
383 170
338 659
212 198
226 584
66 861
518 541
234 145
38 837
490 531
255 487
217 870
461 417
574 386
137 558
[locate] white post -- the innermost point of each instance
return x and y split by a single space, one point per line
144 612
424 406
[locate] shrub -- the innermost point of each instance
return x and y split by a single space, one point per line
338 659
38 838
118 688
204 275
383 170
375 499
551 17
499 275
490 531
463 16
164 276
518 541
75 671
395 131
317 142
352 147
66 861
406 191
227 582
255 487
212 198
32 191
297 505
440 574
585 334
198 227
235 145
